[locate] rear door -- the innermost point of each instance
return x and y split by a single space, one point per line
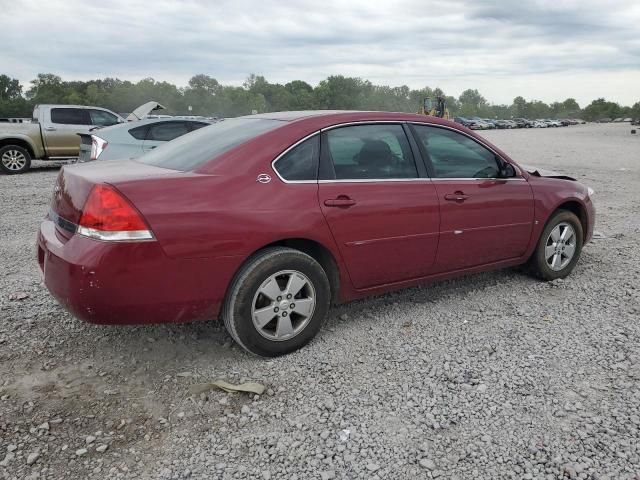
60 134
162 132
380 205
484 218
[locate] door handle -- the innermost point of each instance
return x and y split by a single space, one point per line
341 201
50 129
456 197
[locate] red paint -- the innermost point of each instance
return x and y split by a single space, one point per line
206 223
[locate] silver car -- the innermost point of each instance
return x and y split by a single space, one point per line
131 140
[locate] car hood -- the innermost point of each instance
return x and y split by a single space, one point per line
143 110
541 172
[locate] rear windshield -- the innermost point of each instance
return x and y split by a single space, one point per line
194 149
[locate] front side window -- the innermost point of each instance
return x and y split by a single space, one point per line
70 116
374 152
301 162
454 155
167 131
102 118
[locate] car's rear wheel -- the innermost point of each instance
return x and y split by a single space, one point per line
559 246
277 302
14 159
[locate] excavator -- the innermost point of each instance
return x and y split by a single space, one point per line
435 107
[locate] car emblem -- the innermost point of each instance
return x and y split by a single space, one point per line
263 178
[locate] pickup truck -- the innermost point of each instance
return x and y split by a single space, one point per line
53 131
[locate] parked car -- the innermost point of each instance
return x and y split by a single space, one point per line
502 124
52 134
252 220
540 124
604 120
523 123
131 140
482 124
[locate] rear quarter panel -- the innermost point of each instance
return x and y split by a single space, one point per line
28 133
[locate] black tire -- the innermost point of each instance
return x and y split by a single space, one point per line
11 167
538 263
237 309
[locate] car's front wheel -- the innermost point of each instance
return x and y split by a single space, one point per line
277 302
559 246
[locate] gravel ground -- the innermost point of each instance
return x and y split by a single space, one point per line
490 376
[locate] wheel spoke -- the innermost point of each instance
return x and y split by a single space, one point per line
271 289
549 251
263 316
569 250
555 263
295 284
566 234
304 306
555 234
284 328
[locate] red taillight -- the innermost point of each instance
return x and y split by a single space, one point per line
107 215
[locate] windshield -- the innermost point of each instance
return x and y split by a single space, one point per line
193 150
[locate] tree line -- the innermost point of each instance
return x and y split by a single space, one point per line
207 97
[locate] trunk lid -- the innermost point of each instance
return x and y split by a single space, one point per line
143 110
75 182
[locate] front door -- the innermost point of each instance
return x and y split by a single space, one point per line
380 206
484 218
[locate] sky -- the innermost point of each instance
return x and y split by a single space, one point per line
540 49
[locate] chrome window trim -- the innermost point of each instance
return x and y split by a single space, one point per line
363 122
456 179
374 180
273 162
446 127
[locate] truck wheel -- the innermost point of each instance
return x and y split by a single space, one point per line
14 159
277 302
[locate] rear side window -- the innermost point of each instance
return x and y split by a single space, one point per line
167 131
197 148
70 116
301 162
371 152
139 133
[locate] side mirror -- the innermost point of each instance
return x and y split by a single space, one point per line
507 171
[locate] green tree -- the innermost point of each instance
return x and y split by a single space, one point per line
10 88
471 103
601 108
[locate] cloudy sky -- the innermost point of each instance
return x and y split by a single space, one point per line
540 49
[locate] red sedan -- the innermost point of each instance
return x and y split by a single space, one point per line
266 220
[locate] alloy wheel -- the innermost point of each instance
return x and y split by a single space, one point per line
283 305
14 160
560 246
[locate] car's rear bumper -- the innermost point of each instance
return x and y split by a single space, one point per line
130 282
